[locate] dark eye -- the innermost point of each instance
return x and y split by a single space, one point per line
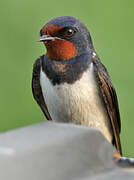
66 32
69 32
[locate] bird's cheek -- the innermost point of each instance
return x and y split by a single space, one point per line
61 49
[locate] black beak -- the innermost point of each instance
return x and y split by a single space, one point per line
47 38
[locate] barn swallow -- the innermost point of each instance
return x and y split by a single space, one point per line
70 84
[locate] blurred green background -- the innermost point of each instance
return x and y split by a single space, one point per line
111 24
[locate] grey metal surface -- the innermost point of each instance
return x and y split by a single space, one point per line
55 151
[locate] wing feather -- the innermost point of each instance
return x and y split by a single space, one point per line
36 88
109 97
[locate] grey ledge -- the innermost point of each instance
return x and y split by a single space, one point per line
55 151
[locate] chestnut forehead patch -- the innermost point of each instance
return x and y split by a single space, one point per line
50 29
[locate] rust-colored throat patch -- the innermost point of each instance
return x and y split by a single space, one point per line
60 49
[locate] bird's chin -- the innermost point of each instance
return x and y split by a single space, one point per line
52 42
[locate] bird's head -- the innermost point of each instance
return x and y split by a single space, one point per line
65 37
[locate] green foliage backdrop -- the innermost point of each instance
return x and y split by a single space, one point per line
111 25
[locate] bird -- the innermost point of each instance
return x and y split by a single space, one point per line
69 82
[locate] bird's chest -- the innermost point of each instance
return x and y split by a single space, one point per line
78 102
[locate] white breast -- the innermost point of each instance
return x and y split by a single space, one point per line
78 103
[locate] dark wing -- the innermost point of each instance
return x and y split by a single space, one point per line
108 94
36 88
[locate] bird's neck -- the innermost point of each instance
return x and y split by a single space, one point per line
66 71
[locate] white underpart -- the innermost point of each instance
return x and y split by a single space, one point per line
78 103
